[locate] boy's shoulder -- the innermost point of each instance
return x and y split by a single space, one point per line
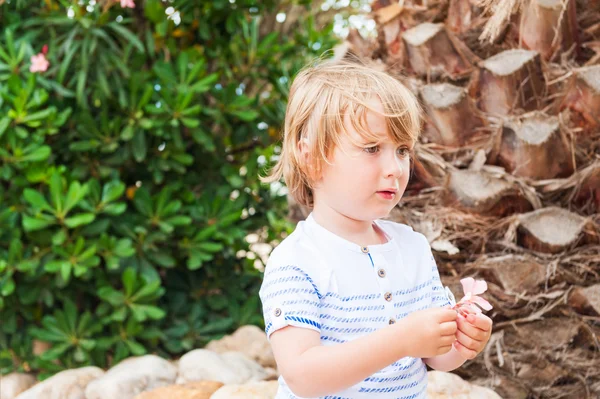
403 232
294 249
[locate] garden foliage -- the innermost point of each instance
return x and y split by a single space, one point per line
131 137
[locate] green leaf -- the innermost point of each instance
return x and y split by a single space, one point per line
34 224
127 35
80 90
152 312
80 219
210 246
115 209
135 348
4 122
39 154
163 259
127 133
189 122
70 311
148 290
247 116
40 115
205 233
179 220
217 302
205 83
138 146
120 314
56 351
124 248
7 287
112 190
54 266
138 312
216 326
56 191
75 194
143 202
36 199
59 238
112 296
48 335
129 277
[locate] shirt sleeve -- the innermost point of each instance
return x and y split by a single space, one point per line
440 296
289 297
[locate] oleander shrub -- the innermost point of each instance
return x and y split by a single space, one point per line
131 137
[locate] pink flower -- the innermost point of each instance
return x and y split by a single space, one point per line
472 288
127 3
39 63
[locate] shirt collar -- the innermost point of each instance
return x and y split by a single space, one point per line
319 232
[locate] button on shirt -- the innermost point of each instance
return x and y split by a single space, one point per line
315 279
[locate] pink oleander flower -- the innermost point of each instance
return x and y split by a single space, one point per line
39 63
472 288
127 4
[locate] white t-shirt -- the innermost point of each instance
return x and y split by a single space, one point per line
318 280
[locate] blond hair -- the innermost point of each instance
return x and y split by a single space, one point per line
320 96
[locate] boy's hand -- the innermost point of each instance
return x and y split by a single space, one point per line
429 332
473 333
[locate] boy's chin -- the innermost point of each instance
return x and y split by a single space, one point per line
378 214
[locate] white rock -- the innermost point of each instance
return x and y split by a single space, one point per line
68 384
251 341
251 390
450 386
228 367
14 383
132 376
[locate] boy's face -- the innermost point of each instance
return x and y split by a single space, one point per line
367 181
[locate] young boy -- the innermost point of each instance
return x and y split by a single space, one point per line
353 305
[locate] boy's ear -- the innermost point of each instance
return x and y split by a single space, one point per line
303 147
305 156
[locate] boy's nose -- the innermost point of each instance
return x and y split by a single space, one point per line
393 165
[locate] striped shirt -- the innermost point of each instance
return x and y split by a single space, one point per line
318 280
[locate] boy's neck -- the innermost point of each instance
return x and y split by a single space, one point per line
360 232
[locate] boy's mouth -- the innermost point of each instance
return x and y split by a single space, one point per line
387 194
388 190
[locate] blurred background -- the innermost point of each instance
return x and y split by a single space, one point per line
132 134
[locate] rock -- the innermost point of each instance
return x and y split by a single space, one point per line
68 384
228 368
251 390
131 377
191 390
506 387
251 341
450 386
15 383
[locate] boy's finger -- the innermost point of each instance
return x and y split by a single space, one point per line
480 321
447 341
448 328
448 315
471 330
468 342
466 353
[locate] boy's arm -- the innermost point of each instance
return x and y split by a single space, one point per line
446 362
311 369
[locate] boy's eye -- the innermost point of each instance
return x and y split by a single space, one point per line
372 149
403 151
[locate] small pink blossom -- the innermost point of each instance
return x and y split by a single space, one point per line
39 63
472 288
127 4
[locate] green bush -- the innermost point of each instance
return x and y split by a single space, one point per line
128 172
